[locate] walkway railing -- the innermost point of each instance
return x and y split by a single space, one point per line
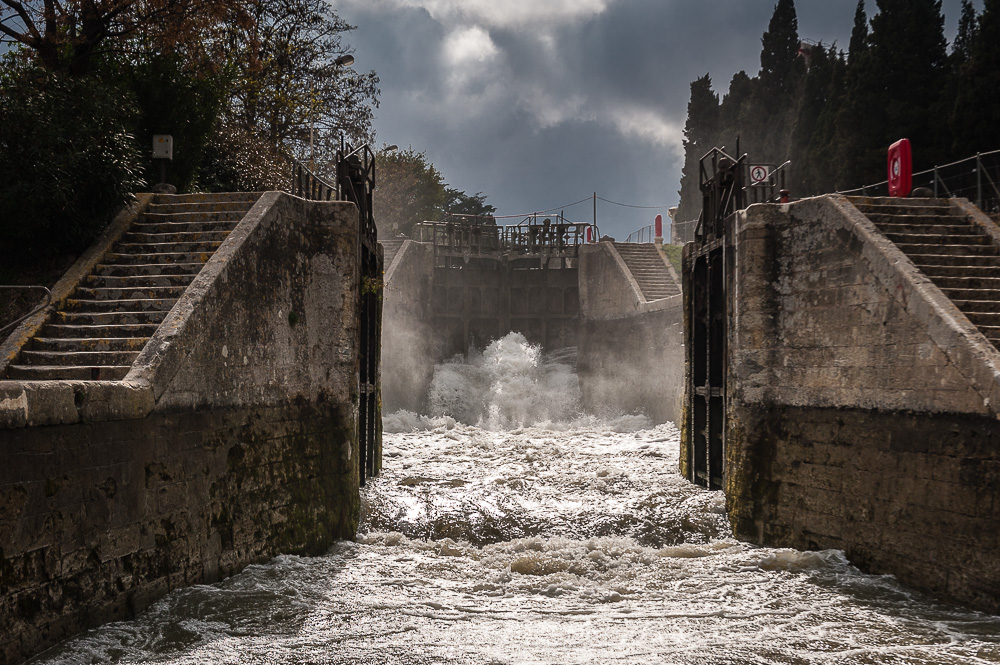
46 300
481 235
975 178
645 234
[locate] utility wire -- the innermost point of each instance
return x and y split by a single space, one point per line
542 212
628 205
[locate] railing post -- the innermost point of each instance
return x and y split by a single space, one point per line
935 182
979 182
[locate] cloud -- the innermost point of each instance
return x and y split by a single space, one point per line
498 13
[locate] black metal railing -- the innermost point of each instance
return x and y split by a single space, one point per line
480 235
721 179
975 178
45 303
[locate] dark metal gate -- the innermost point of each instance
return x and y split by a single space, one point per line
708 263
355 182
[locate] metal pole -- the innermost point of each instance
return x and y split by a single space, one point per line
935 182
979 182
595 213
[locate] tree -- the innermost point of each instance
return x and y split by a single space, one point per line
66 35
977 107
69 162
408 190
458 202
289 87
780 66
700 130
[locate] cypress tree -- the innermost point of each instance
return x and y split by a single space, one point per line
961 48
699 131
977 105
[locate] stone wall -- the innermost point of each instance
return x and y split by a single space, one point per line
631 352
861 408
233 438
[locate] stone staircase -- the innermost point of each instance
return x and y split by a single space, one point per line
104 325
958 256
391 247
649 270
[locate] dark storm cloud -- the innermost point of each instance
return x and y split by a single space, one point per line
539 105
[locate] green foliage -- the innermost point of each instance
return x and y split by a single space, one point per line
409 190
675 254
69 160
834 116
458 202
700 132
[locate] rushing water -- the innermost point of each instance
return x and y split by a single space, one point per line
538 535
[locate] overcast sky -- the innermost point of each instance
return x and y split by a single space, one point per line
540 103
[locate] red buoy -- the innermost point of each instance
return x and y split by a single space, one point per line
900 168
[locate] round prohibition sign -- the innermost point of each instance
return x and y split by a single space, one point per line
758 174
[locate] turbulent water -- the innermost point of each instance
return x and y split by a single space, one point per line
508 528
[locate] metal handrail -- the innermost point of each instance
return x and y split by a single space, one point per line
48 300
639 234
974 183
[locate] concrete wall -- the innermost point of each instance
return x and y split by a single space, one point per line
407 336
862 405
232 439
631 352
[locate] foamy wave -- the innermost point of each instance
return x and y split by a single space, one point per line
407 421
505 386
794 561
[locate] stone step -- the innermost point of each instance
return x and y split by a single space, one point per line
961 271
984 306
930 229
109 318
77 358
992 333
202 206
178 237
186 217
116 258
957 295
908 210
147 269
57 373
955 260
129 293
65 344
137 281
207 197
927 239
964 283
109 331
984 318
183 227
121 305
954 250
167 247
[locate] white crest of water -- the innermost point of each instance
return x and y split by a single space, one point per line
507 385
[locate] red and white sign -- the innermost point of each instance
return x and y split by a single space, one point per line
759 174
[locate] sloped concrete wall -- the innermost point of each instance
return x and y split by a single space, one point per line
862 405
631 352
232 439
407 336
